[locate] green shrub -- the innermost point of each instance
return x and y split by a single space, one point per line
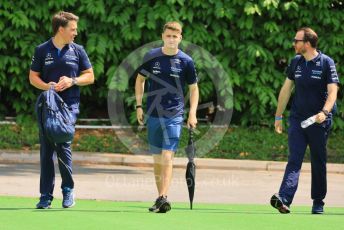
251 39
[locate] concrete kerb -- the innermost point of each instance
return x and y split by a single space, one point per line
81 158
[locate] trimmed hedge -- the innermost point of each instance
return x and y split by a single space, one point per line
255 143
252 40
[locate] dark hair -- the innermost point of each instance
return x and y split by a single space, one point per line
309 36
175 26
61 19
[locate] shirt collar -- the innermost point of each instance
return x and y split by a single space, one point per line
54 47
317 57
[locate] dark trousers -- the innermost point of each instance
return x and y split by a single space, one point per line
315 136
64 158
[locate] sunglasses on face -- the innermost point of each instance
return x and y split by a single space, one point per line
298 40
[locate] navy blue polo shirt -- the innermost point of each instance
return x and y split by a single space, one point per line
53 63
167 76
311 79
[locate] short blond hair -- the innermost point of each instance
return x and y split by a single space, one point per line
175 26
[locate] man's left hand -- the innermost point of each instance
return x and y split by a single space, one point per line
63 84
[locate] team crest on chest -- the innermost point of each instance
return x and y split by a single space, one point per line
156 65
176 61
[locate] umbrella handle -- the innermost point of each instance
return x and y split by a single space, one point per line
191 132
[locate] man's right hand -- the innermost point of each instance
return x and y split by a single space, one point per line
139 115
278 126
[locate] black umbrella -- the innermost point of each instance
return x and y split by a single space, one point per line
191 167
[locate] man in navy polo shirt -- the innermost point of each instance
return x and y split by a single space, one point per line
167 70
314 77
64 65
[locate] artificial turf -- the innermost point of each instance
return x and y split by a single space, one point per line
19 213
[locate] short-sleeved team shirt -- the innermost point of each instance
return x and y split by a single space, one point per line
167 76
53 63
311 79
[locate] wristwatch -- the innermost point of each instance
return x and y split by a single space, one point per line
74 81
138 106
325 112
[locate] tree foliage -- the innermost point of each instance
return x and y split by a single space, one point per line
251 39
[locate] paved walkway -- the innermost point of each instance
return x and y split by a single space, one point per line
127 178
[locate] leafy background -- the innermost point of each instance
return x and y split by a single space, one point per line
251 39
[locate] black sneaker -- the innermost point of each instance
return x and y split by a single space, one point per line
151 209
161 205
277 202
318 209
44 202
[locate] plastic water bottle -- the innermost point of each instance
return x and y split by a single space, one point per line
309 121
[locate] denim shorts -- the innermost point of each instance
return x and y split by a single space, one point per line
164 133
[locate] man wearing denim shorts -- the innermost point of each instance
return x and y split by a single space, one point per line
167 70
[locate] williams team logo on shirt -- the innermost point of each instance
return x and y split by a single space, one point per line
71 59
175 71
316 74
176 61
